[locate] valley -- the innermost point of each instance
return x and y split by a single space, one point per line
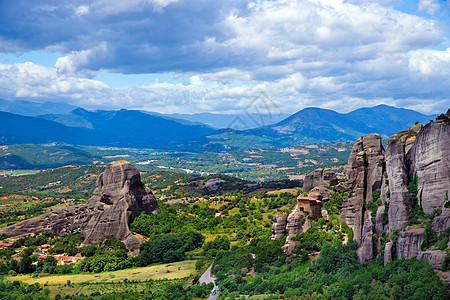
275 223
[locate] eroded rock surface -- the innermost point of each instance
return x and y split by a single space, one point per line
279 226
430 160
409 241
398 147
320 177
365 250
365 174
118 198
434 257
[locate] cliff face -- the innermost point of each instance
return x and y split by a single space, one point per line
320 177
423 151
365 174
430 160
398 169
119 197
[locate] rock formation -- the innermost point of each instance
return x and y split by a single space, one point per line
320 177
364 173
388 252
434 257
422 151
430 160
365 250
118 198
279 226
320 193
398 148
409 241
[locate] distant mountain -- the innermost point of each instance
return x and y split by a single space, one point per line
236 121
313 125
27 108
128 128
123 128
319 124
388 120
15 129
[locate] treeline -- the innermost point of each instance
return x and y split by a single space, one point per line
335 274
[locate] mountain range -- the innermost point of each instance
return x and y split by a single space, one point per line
130 128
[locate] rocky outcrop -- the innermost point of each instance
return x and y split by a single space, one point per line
294 224
365 250
388 252
398 147
422 151
442 222
118 198
409 241
279 226
320 193
379 220
434 257
430 160
365 174
320 177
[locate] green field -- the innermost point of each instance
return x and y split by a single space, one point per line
136 279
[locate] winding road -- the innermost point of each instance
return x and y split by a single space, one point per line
206 278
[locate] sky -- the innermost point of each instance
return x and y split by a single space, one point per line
193 56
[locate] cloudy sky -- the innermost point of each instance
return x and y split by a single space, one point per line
189 56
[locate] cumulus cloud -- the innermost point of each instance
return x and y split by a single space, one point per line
430 6
335 54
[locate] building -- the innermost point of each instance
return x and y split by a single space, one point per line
312 207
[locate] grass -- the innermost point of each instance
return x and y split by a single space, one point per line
137 279
18 172
175 270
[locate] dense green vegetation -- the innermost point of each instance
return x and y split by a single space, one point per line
336 273
35 156
254 165
231 224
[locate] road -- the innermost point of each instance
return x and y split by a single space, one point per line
206 278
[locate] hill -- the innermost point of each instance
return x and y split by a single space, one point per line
245 121
123 128
387 120
27 108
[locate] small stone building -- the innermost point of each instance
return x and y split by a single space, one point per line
312 207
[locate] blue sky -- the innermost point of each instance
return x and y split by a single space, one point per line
188 56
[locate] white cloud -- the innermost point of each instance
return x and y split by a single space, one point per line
334 54
430 6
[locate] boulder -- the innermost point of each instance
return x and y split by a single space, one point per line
434 257
409 242
325 215
320 177
442 222
118 198
388 252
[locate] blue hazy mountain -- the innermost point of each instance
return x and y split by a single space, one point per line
28 108
243 121
128 128
123 128
387 119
